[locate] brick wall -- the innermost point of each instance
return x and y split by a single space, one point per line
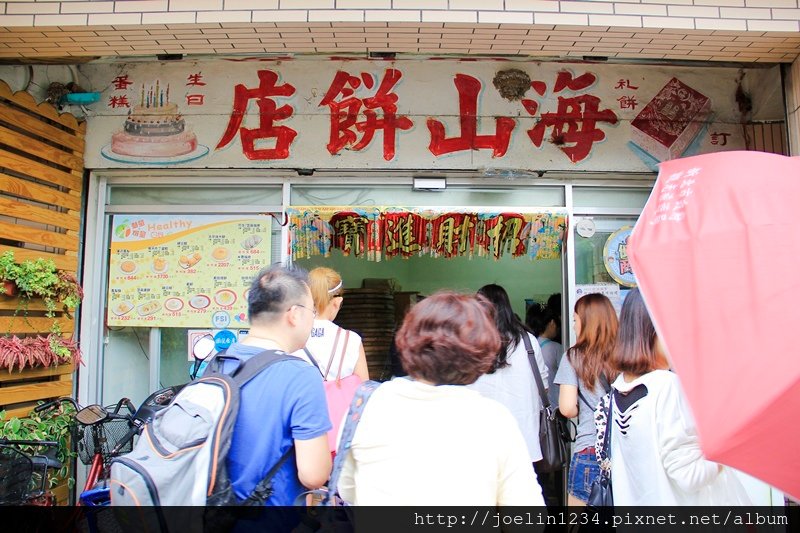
732 15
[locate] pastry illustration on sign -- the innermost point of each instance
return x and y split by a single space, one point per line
251 242
173 304
148 308
128 267
201 301
121 308
669 123
159 265
188 261
225 297
220 253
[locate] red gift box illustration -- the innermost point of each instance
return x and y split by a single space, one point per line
670 121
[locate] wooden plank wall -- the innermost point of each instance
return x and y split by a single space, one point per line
41 180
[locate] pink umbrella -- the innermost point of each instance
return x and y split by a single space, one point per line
716 254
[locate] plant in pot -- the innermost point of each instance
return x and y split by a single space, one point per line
37 351
53 424
9 271
40 278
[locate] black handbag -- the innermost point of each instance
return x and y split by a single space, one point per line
553 428
601 498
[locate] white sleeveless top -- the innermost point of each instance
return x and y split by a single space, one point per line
320 344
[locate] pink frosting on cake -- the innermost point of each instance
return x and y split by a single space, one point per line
160 146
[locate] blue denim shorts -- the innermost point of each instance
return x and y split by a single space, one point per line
582 470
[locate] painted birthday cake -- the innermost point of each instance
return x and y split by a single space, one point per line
154 128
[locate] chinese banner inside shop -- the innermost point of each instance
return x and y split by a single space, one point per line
433 249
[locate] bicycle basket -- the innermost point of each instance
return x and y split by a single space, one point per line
101 438
16 475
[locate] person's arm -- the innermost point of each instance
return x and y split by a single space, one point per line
568 400
313 461
361 369
681 455
567 380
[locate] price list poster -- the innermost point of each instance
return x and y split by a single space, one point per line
184 271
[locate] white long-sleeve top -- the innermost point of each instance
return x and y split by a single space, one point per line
655 451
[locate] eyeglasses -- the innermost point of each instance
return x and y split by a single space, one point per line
313 311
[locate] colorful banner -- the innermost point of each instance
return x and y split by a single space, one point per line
184 271
375 232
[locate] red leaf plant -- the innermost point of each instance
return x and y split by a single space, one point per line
38 351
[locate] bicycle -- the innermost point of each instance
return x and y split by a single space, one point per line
24 476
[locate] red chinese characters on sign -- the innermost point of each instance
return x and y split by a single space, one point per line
122 82
353 233
468 89
118 101
269 113
195 99
453 234
195 79
625 84
404 234
627 102
345 108
504 233
574 124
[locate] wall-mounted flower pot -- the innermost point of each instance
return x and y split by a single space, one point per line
9 288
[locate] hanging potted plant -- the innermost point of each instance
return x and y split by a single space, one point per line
40 278
9 271
38 351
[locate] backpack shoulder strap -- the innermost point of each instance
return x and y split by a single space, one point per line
363 393
535 369
256 364
263 490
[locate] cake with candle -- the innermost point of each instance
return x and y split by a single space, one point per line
154 128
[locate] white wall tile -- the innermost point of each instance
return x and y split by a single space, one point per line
60 20
668 22
744 13
586 7
720 24
450 16
615 20
224 16
114 19
87 7
249 5
195 5
532 5
504 17
773 25
307 4
351 15
693 11
139 6
283 15
31 8
561 18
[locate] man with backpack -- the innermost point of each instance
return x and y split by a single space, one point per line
252 430
283 406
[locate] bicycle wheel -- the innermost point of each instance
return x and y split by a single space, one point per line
16 473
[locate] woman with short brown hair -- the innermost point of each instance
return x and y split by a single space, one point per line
426 439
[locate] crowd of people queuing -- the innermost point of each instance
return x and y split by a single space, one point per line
462 427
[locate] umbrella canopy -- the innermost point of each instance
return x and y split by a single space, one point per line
716 253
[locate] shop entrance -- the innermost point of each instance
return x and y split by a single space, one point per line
409 248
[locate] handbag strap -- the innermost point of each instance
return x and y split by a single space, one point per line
536 373
363 393
606 387
333 353
313 361
344 352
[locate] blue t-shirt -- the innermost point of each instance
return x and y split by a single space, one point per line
283 403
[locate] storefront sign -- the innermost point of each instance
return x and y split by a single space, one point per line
417 113
184 271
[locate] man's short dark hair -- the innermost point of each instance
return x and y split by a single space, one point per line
275 289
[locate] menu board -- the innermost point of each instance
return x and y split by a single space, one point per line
184 271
